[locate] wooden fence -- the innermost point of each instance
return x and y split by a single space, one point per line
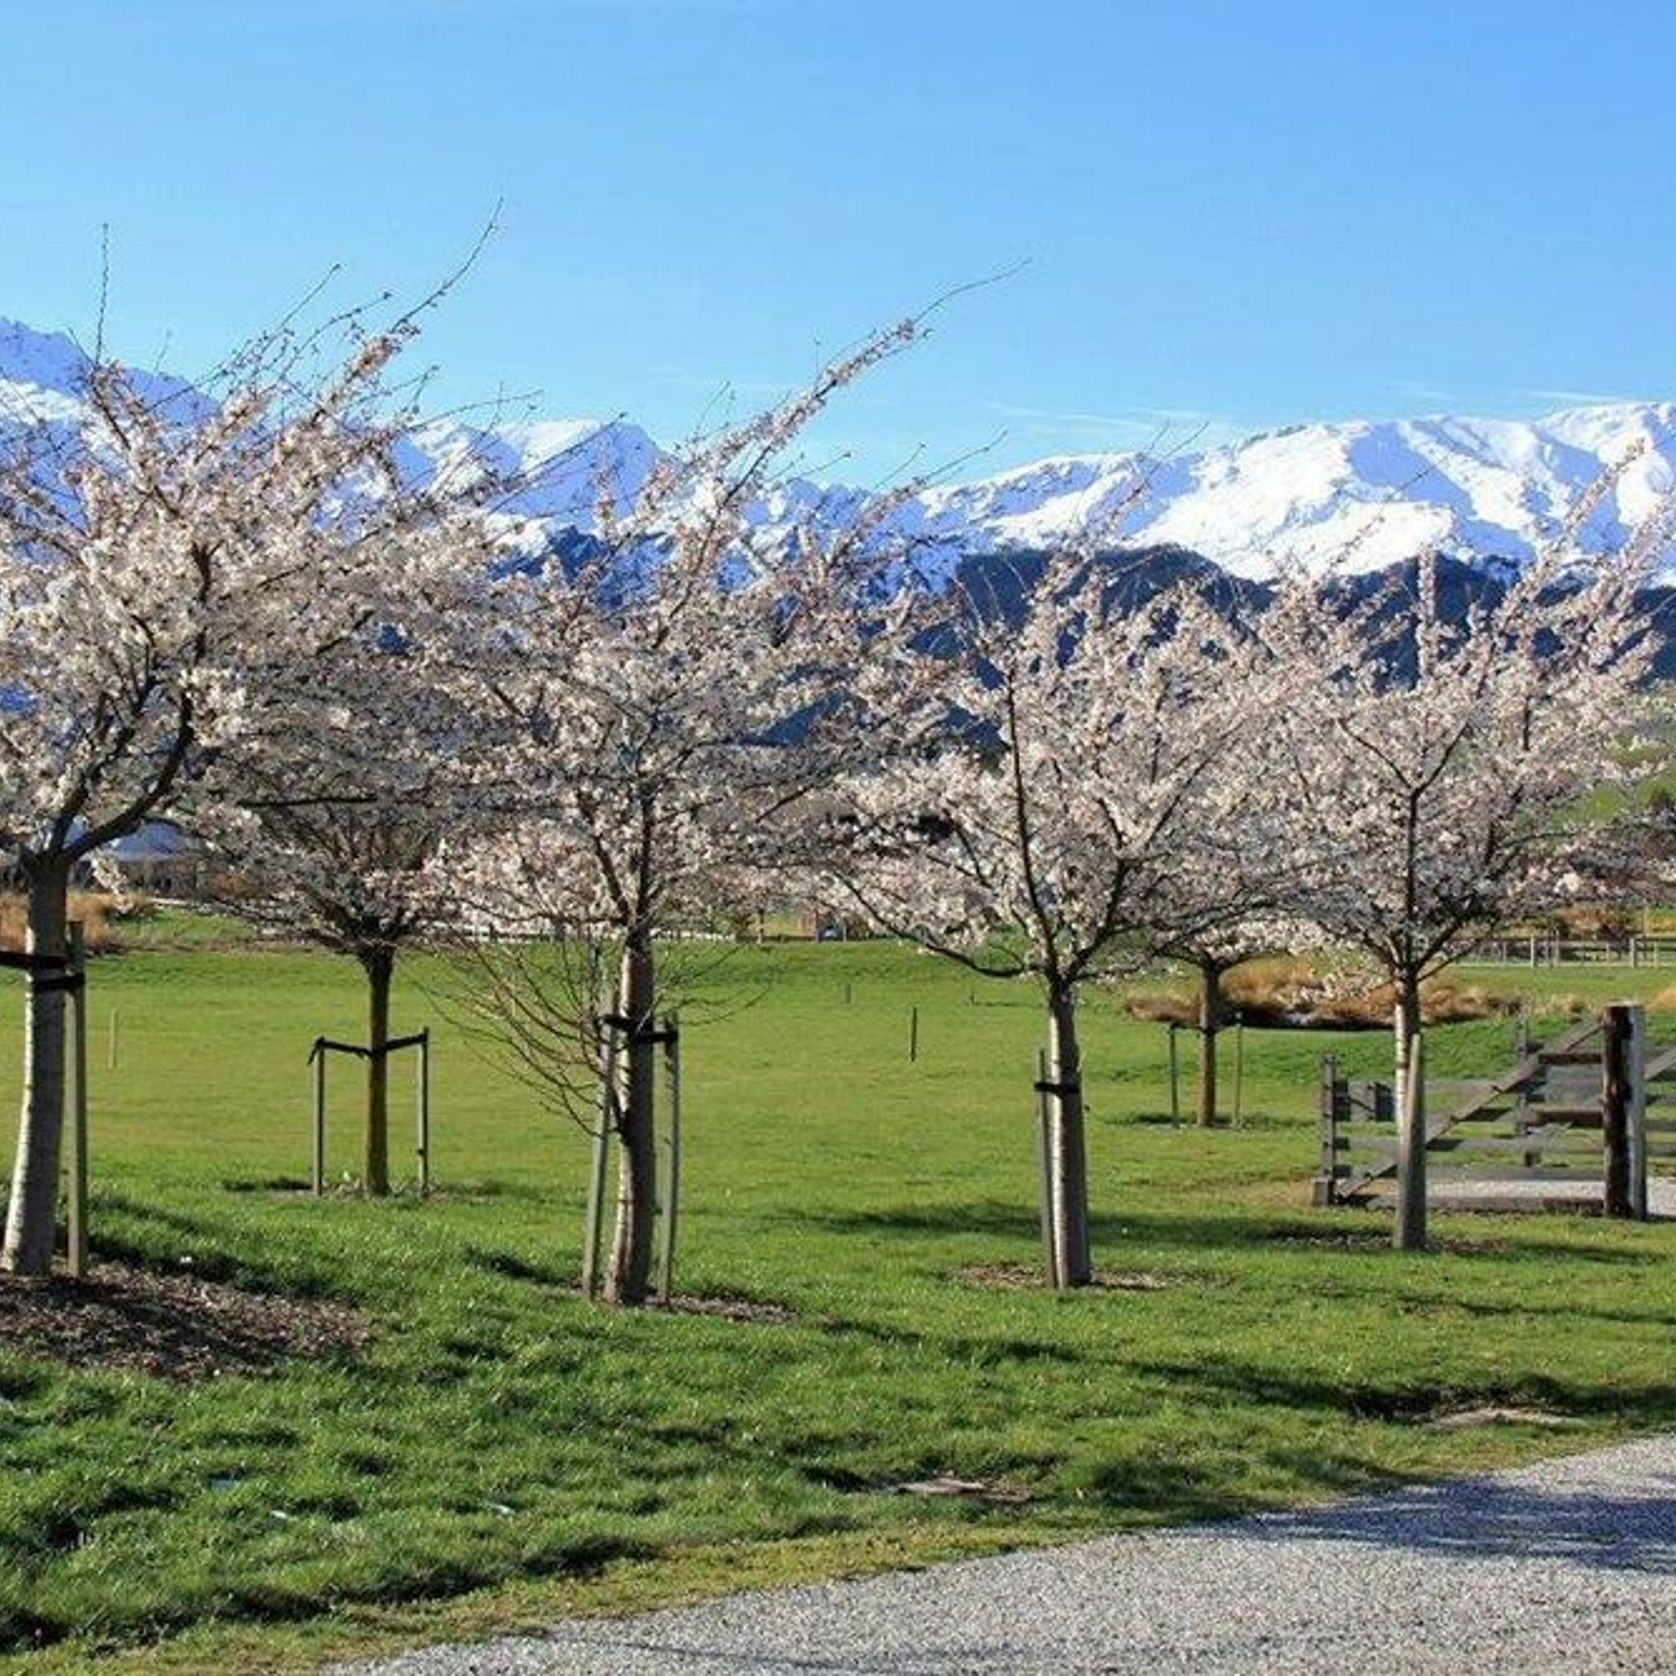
1594 1105
1543 950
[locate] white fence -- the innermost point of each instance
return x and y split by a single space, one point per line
1576 951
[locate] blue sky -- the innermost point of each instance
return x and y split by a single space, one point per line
1232 216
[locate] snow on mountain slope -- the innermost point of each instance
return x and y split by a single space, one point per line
1367 494
43 377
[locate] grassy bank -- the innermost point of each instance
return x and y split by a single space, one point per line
492 1450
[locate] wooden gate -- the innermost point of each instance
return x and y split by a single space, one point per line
1555 1118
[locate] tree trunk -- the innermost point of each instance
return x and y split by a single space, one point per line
379 964
1409 1097
628 1280
1211 1013
32 1215
1068 1150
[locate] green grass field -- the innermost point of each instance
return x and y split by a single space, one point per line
501 1451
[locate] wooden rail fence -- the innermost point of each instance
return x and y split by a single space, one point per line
1594 1105
1648 949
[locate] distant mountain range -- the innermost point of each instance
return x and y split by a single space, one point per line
1366 493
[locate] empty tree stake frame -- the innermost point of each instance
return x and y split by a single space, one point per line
323 1045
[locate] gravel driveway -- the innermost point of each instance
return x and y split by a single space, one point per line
1564 1567
1661 1193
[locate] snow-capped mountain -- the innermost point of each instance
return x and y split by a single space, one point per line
1367 494
1364 493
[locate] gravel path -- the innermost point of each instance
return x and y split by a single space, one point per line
1661 1193
1565 1567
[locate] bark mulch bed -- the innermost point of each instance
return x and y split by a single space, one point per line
1019 1276
1379 1239
173 1326
978 1489
728 1309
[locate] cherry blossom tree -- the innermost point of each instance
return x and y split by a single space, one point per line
327 820
1440 764
1041 777
155 563
1215 941
662 701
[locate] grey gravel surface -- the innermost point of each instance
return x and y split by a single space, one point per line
1565 1567
1661 1192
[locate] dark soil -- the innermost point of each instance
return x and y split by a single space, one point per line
173 1326
729 1309
980 1489
1379 1239
1019 1276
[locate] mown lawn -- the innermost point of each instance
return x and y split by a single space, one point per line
501 1451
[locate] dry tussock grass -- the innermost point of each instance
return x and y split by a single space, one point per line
1296 993
97 912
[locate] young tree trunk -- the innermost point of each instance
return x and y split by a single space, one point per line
1409 1095
379 965
628 1279
1211 1013
32 1215
1068 1150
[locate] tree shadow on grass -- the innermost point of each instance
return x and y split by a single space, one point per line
1538 1309
167 1240
1218 1379
508 1265
277 1598
979 1216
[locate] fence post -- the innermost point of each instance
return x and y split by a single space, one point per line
1239 1064
1616 1100
76 1250
913 1035
319 1058
423 1115
1044 1169
1175 1092
1522 1099
1409 1232
1638 1113
1323 1190
591 1237
672 1192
